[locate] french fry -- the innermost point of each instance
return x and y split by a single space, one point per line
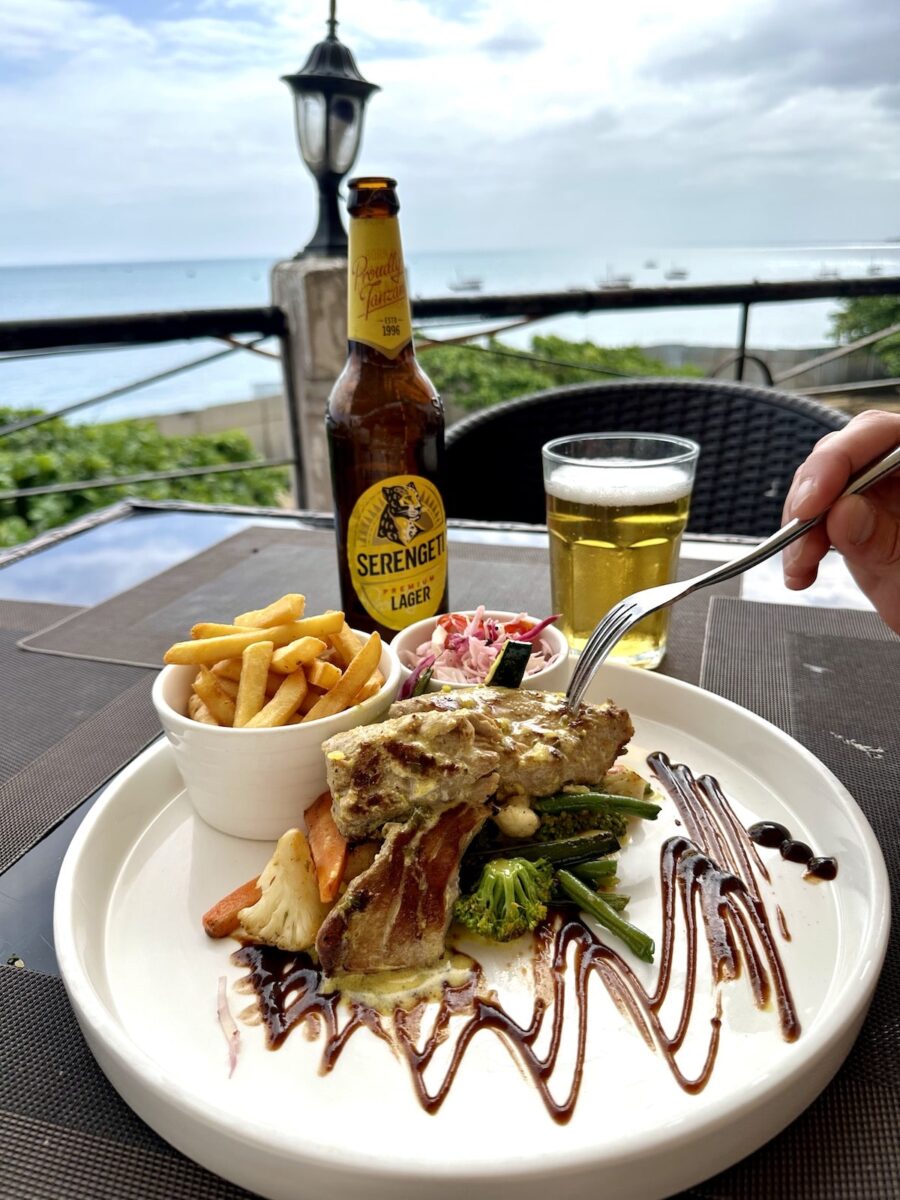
319 626
309 701
359 670
283 704
208 651
372 685
297 654
322 674
328 847
222 918
210 629
251 691
230 668
345 643
288 608
219 703
198 711
229 687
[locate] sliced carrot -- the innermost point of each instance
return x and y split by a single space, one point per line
328 847
222 918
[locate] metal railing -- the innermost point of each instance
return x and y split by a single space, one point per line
70 335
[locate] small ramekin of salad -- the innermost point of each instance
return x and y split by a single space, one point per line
482 645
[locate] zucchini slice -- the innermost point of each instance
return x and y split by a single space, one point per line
508 668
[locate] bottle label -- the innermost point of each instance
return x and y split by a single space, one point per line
377 303
397 550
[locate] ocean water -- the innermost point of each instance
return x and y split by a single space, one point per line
83 290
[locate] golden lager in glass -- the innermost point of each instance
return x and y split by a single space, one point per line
385 427
617 505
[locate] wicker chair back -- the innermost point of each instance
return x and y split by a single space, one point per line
751 441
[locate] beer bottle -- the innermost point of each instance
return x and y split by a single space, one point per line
385 426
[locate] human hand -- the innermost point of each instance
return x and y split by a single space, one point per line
865 529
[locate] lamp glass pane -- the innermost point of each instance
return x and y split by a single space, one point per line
344 131
311 109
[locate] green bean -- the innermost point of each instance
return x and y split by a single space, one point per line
563 852
601 871
590 902
600 802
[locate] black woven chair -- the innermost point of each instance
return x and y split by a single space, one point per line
751 441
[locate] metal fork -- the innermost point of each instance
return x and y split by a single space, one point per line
622 616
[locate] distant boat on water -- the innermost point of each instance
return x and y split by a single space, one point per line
826 272
874 268
465 283
677 273
613 281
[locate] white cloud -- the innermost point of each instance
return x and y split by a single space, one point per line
168 133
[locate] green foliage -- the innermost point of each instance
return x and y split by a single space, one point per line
57 452
509 899
867 314
475 378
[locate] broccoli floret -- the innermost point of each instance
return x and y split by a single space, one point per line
289 912
509 899
572 822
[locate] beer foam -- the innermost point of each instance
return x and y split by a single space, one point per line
616 481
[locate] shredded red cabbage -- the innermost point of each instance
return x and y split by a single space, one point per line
462 648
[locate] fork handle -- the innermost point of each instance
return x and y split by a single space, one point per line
794 529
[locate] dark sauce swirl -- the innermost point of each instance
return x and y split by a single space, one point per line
778 837
708 890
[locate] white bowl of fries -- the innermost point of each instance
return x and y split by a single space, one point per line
247 706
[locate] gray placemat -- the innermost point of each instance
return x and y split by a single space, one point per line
831 678
137 626
67 726
27 617
745 659
64 1133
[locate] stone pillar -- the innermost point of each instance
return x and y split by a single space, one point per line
312 293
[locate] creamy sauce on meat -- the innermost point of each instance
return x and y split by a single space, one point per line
709 894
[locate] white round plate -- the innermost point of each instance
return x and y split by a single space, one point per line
142 977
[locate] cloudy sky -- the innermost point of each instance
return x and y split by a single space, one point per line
145 129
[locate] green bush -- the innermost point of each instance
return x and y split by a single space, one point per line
57 452
474 379
867 314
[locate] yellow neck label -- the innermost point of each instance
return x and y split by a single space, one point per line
397 550
377 303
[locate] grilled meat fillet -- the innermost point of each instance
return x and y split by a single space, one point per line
540 745
396 914
428 761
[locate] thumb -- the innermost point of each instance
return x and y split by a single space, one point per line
866 535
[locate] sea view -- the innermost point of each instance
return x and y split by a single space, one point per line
94 289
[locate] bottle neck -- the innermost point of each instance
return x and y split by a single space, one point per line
378 312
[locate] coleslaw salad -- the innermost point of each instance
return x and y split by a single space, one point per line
462 648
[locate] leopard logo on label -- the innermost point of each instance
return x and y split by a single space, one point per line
402 513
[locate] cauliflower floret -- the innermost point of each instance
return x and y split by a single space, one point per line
289 912
622 781
517 819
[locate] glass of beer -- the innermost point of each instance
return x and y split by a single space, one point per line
617 505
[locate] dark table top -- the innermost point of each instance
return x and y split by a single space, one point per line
100 557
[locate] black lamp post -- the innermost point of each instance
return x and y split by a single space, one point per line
330 97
